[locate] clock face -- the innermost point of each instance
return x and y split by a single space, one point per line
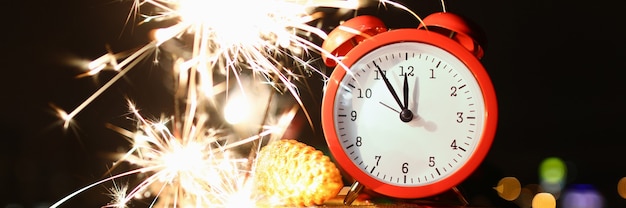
407 115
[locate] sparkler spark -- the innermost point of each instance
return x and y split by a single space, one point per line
200 170
186 162
223 37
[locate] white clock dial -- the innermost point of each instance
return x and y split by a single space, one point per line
423 134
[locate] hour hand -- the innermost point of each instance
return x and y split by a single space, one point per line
406 115
405 91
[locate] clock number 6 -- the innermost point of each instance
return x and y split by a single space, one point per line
405 168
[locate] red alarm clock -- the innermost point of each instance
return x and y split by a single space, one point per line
411 112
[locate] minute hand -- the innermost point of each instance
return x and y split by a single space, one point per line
393 92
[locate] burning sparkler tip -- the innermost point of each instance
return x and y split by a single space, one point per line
119 198
64 116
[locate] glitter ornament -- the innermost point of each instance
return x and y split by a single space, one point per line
296 174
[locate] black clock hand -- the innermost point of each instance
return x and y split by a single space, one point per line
405 91
406 115
391 108
393 92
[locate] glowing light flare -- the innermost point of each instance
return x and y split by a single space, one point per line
621 187
164 34
237 109
552 173
582 196
509 188
527 194
241 198
199 166
552 170
184 158
118 196
199 171
64 116
544 200
106 61
248 104
192 165
233 22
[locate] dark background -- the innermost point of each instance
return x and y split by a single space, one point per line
557 67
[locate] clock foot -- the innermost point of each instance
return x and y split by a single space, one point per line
452 197
353 193
460 196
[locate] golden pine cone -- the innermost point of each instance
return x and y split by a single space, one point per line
296 174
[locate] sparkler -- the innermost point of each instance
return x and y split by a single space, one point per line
199 170
186 161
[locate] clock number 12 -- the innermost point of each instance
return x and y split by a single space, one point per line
407 72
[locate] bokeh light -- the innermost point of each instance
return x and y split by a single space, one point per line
237 109
527 194
621 187
552 170
582 196
509 188
552 173
544 200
